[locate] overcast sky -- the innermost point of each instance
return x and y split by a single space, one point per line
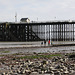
44 10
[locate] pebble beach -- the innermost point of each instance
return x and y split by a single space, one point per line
37 64
37 60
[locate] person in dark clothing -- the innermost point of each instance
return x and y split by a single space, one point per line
41 43
45 42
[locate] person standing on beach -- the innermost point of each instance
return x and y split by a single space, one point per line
45 42
49 42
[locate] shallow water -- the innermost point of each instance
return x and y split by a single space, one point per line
60 49
18 47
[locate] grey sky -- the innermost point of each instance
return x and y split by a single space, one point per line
44 10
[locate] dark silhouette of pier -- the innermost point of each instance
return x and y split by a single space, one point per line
38 31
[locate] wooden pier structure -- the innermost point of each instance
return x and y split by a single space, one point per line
37 31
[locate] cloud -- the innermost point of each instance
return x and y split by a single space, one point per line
43 9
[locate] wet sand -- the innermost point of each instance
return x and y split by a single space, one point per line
60 49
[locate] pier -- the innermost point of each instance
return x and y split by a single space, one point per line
37 31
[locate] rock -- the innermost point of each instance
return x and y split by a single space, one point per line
72 56
47 71
57 73
54 70
44 62
30 65
61 70
32 70
65 59
72 65
58 67
63 67
54 59
3 73
66 72
61 60
34 73
37 70
23 71
30 62
27 71
44 65
17 62
36 67
18 71
41 72
14 74
52 73
47 62
51 68
72 71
